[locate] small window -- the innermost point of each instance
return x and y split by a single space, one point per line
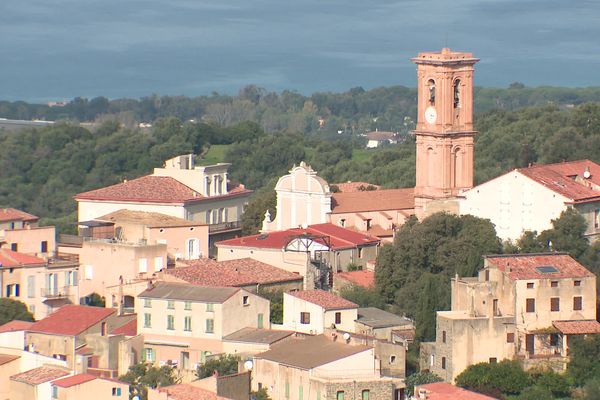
44 246
443 336
116 391
339 395
392 359
147 303
187 323
14 247
487 275
171 304
443 362
210 307
554 339
493 360
365 395
170 322
510 337
287 390
142 265
576 283
245 300
554 304
149 355
360 252
187 305
305 318
530 305
529 285
577 303
147 320
554 284
300 392
54 392
338 317
210 326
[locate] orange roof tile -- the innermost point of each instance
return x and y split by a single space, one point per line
349 186
364 278
328 301
74 380
531 266
10 259
12 214
376 200
127 329
340 238
71 320
446 391
241 272
40 375
579 327
567 179
15 325
153 189
189 392
6 358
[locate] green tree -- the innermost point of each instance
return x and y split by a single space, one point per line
506 377
223 365
275 298
95 300
143 376
584 361
535 393
558 384
364 297
592 389
567 234
254 214
420 378
260 394
11 309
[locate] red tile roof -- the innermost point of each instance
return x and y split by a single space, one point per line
12 214
364 278
71 320
340 238
580 327
328 301
15 325
567 179
376 200
525 266
74 380
40 375
153 189
6 358
348 187
128 329
189 392
242 272
446 391
10 259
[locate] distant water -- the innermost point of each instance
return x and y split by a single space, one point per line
59 49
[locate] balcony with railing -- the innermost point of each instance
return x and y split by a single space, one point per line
61 292
225 227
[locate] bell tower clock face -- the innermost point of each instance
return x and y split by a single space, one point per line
430 115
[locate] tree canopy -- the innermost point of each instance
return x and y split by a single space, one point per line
143 376
11 309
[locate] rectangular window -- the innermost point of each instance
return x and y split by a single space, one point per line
187 324
510 337
305 318
147 303
554 339
554 284
31 286
554 304
89 272
576 283
171 304
142 265
530 305
287 390
170 322
493 360
210 326
116 391
149 355
443 336
338 317
443 362
529 285
245 300
54 392
14 247
300 392
577 303
339 395
147 320
187 305
365 394
158 263
44 246
210 307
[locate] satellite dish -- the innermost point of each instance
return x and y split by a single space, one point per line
248 364
346 336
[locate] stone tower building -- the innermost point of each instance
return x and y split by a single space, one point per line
444 132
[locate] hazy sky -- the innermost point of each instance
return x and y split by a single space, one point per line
59 49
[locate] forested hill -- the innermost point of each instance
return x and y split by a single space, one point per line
354 111
41 169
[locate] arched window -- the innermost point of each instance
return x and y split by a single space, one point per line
456 167
192 249
430 166
431 89
457 99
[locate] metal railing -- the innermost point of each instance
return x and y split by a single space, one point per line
225 226
56 293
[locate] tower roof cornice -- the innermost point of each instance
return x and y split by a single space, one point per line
445 57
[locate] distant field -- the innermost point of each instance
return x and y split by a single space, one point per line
363 154
215 154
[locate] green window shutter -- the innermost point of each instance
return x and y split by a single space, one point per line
287 390
300 392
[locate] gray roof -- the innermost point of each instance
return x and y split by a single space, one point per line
255 335
189 292
310 352
376 318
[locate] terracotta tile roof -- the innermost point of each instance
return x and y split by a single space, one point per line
6 358
328 301
153 189
255 335
74 380
348 187
128 329
531 266
567 179
85 350
580 327
377 200
189 292
340 238
446 391
242 272
10 259
40 375
364 278
377 230
15 325
12 214
71 320
149 219
310 351
189 392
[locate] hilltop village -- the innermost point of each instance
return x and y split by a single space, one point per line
160 296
